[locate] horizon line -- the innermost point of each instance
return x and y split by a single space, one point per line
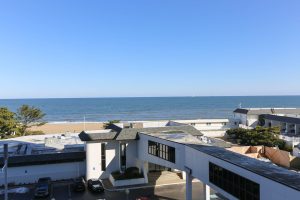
115 97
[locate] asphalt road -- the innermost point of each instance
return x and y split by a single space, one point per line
63 191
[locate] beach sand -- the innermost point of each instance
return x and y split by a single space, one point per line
73 127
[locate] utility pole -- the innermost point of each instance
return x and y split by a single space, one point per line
5 170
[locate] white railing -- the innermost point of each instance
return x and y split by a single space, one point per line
290 139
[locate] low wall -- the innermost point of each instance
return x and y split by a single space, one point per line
31 174
117 183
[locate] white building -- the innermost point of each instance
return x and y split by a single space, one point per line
176 146
211 127
32 157
250 116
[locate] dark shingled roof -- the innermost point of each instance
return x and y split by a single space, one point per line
118 133
86 136
131 133
273 172
42 159
285 119
267 111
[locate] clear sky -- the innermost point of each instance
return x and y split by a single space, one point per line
60 48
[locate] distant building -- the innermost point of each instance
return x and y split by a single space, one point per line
211 127
288 119
250 116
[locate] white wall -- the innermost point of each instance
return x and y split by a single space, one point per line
247 120
112 158
93 159
31 174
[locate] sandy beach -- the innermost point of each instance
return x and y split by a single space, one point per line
73 127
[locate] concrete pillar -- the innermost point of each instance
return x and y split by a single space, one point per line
188 187
206 191
89 161
296 131
145 171
286 127
183 175
93 160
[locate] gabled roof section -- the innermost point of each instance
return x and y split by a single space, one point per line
106 134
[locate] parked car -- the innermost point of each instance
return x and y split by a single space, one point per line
43 188
95 185
78 184
143 198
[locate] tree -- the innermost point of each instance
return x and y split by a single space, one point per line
29 116
110 122
8 122
261 120
258 136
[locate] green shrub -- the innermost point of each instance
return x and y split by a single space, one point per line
258 136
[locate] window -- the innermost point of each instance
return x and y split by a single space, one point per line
208 124
162 151
193 124
224 123
123 156
103 157
234 184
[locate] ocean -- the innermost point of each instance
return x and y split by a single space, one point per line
146 108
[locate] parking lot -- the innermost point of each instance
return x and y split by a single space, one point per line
59 191
63 191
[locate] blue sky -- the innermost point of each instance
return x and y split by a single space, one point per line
149 48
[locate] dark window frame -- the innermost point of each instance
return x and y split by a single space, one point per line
162 151
236 185
103 156
123 157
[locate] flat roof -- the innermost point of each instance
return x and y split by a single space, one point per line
179 137
42 144
185 138
267 170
